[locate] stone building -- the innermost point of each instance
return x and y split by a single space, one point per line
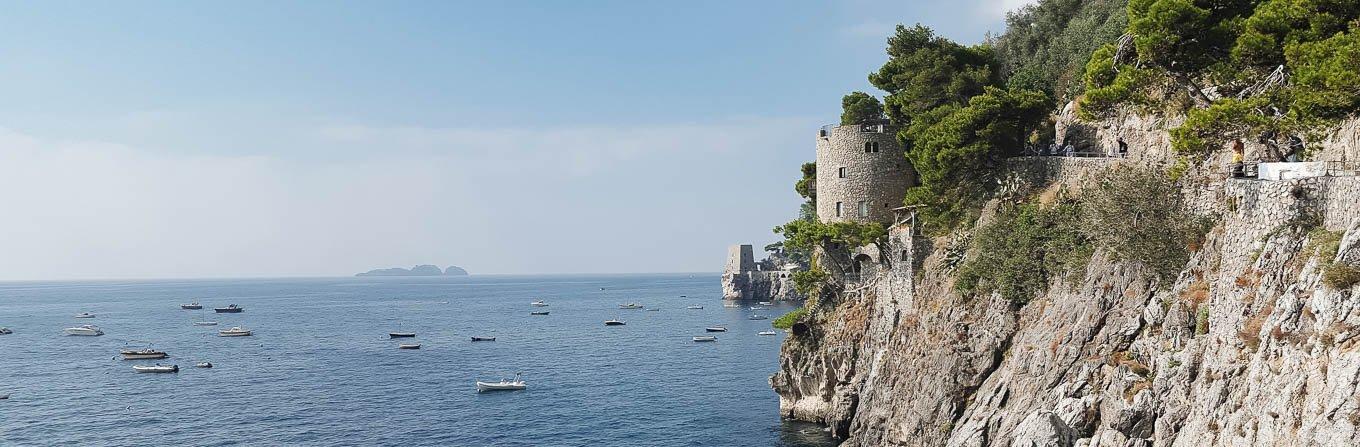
862 173
746 280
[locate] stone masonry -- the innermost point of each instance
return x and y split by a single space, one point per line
862 173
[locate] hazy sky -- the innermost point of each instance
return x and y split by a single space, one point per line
179 139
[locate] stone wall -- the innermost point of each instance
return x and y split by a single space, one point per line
879 179
742 279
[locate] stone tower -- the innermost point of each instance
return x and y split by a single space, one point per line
862 173
740 259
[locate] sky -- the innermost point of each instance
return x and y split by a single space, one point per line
271 139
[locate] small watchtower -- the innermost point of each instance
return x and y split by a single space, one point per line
862 172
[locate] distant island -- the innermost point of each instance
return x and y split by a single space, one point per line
419 270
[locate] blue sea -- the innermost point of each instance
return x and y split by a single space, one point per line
321 370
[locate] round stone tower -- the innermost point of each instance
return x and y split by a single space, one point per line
862 173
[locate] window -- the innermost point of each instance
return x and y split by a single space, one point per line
906 256
841 171
838 207
863 209
870 147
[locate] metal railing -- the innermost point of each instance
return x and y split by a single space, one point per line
1053 150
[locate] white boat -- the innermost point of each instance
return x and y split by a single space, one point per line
765 303
87 330
715 329
143 354
191 306
503 385
756 308
157 368
234 332
85 315
757 317
694 307
203 365
767 333
630 306
731 305
704 338
409 346
613 323
539 303
5 331
205 323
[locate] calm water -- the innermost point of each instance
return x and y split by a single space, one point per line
320 369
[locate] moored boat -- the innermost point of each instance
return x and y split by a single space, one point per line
613 323
401 334
715 329
87 330
203 365
234 332
705 338
694 307
205 323
767 333
539 303
757 317
502 385
5 331
143 354
191 306
765 303
85 315
476 338
539 312
159 368
630 306
230 309
409 346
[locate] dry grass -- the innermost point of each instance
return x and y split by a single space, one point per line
1196 294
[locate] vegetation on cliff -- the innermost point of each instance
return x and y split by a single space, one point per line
1236 68
1047 43
860 107
1027 246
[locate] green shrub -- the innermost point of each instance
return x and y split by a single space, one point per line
1026 247
1323 243
1138 215
809 282
1341 276
787 320
860 107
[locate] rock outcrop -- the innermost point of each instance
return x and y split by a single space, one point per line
745 279
1246 346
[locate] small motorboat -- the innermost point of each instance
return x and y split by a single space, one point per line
234 332
757 317
731 305
613 323
767 333
539 303
85 315
5 331
715 329
143 354
653 309
630 306
159 368
230 309
191 306
475 338
705 338
205 323
694 307
765 303
503 385
401 334
539 312
87 330
203 365
757 308
4 396
409 346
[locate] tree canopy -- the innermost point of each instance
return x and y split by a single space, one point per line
860 107
925 71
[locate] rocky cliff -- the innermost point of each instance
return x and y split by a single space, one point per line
1246 346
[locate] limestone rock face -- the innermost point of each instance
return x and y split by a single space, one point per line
1245 347
759 286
